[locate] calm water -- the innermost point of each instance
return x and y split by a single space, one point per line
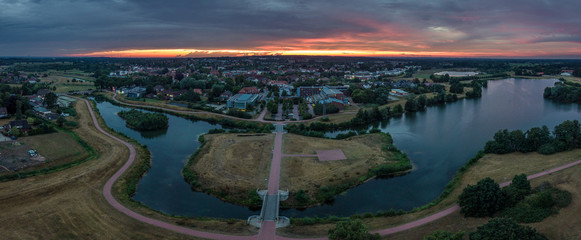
438 141
163 188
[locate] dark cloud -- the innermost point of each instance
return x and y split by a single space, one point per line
59 27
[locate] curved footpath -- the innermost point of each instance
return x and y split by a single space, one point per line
109 197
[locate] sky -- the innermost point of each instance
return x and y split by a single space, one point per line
201 28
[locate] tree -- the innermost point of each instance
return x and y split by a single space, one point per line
568 132
18 113
518 190
50 100
505 229
537 137
351 230
60 121
445 235
15 132
411 104
481 200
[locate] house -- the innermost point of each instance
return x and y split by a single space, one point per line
3 112
242 101
198 91
225 95
398 92
20 124
248 90
42 92
158 88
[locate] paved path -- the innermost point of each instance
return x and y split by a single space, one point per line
268 227
268 230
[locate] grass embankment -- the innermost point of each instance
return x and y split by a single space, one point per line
231 166
501 168
368 155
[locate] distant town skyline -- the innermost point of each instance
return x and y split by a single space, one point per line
204 28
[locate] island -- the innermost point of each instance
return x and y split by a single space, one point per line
139 120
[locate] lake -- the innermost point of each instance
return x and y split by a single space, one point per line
438 140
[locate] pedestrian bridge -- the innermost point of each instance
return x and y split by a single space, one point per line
270 209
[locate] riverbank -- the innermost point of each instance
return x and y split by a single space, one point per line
501 168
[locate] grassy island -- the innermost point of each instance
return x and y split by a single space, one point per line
144 121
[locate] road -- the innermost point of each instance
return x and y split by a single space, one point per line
267 230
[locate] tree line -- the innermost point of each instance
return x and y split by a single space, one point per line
565 136
564 92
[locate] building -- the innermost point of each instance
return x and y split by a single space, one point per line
225 95
248 90
242 101
64 101
20 124
136 92
333 93
336 102
398 92
308 91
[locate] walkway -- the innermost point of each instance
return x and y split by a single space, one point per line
271 201
268 229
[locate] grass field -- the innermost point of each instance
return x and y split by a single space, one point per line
565 225
308 173
55 146
233 164
63 80
229 161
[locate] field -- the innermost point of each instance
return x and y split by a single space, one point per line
235 165
54 146
565 225
69 204
230 161
63 80
308 173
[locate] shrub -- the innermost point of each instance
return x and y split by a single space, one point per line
445 235
481 200
351 230
505 229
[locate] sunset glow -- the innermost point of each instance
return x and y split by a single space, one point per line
415 28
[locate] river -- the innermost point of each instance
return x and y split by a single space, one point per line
438 140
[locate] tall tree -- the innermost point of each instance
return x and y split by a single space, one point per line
50 99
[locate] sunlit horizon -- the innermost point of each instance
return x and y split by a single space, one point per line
200 53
